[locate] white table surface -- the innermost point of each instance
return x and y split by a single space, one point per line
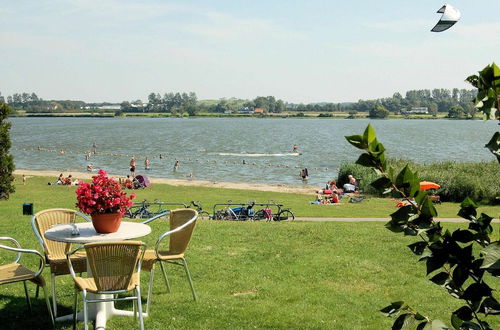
99 312
127 230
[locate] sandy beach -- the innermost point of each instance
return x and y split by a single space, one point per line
307 190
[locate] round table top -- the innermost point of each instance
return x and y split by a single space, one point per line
127 230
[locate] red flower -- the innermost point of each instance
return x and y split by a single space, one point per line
103 195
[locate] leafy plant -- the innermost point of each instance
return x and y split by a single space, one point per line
450 257
6 160
103 195
488 100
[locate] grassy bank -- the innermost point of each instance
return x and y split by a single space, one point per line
255 274
458 180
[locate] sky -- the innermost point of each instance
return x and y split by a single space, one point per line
299 51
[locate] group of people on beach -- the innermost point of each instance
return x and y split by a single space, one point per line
65 181
332 194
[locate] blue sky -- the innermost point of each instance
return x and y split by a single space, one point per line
299 51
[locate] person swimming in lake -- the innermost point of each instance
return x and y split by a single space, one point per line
176 165
146 164
295 148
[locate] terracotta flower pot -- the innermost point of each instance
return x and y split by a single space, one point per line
105 223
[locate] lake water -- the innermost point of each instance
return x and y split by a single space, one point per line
215 148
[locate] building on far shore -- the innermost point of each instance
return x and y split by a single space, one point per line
258 110
416 111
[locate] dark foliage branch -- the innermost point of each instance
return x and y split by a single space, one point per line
450 259
6 160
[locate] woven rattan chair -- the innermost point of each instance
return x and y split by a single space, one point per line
55 252
15 272
182 223
114 268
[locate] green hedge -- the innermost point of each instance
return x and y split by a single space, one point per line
479 181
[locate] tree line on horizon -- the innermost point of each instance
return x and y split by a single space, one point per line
458 103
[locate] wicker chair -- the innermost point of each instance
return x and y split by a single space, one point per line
114 268
55 252
15 272
182 223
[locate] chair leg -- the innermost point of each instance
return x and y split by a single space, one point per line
85 311
139 307
195 297
150 289
28 301
47 301
75 307
165 276
53 283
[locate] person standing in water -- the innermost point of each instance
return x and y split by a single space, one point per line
94 147
295 148
146 164
132 166
176 165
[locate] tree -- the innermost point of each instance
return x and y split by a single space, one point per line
378 111
6 160
488 100
461 262
456 111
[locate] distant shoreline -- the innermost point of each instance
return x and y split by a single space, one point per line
306 190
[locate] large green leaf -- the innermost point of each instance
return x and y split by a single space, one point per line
393 308
440 278
366 160
494 145
491 255
357 141
476 291
369 135
418 247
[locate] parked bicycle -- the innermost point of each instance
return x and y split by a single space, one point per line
145 209
267 212
203 215
233 211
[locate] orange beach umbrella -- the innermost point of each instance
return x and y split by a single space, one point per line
426 185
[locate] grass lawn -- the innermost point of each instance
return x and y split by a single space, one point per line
322 275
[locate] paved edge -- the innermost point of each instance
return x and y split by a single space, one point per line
377 219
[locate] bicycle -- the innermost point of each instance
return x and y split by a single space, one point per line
266 213
203 215
147 210
241 212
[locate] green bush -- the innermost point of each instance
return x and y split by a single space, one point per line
457 180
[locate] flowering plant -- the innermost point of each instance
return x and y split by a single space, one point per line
104 195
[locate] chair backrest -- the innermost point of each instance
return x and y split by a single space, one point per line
113 264
179 240
44 220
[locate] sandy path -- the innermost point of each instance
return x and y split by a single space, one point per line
176 182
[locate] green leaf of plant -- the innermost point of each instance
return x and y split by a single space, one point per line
460 275
462 236
421 326
366 160
440 278
418 247
427 208
491 255
393 308
494 145
369 135
403 321
490 306
468 209
357 141
476 291
381 183
464 313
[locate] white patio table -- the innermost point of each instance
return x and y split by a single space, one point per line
99 312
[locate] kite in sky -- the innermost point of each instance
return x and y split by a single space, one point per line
450 17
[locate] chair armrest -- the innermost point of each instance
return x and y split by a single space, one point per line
19 251
170 232
68 259
156 217
83 216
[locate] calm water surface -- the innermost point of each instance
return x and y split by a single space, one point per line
215 148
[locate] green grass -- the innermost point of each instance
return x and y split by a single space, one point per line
332 275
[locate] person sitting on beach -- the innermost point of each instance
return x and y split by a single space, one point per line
90 167
128 183
352 180
68 181
351 186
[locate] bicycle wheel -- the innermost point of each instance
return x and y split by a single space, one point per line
203 215
284 215
259 215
